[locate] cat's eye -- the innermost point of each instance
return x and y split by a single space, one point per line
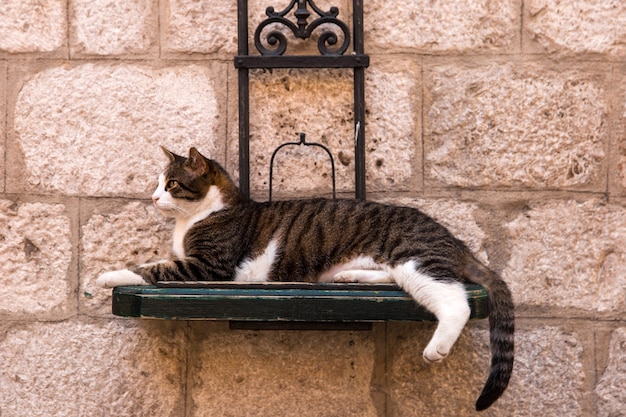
171 184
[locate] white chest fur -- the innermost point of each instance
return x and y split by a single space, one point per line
180 230
211 203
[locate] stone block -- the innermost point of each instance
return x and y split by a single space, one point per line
566 254
36 248
281 373
611 387
286 102
575 27
199 27
109 27
88 368
320 104
393 128
96 129
516 126
458 217
32 26
453 26
117 237
3 90
617 171
548 373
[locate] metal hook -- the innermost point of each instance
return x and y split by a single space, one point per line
305 143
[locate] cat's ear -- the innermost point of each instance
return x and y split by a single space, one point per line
198 163
170 155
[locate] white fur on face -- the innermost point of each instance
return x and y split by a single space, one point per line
187 213
164 201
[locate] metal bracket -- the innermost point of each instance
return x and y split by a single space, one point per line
303 142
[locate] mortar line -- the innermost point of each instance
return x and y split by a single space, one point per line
227 124
79 239
521 29
5 125
187 374
159 31
595 367
386 367
611 129
69 29
422 128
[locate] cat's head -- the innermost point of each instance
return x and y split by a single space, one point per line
193 186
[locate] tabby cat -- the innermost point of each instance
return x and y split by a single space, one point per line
221 235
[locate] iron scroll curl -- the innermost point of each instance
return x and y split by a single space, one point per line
302 29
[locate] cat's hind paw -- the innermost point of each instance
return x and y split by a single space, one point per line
435 353
363 276
119 278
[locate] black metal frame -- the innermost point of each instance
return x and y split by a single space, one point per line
328 58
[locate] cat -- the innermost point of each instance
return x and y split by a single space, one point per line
222 235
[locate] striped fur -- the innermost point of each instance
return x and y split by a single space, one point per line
221 235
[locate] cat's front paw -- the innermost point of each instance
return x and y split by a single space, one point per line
119 278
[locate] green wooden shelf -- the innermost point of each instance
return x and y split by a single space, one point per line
273 302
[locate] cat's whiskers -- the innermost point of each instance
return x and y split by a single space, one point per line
170 207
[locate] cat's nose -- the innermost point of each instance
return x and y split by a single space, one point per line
155 199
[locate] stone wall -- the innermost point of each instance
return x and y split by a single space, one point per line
505 120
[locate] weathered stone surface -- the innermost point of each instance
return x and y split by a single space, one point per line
577 26
109 27
617 173
569 254
320 103
393 152
96 129
286 102
449 388
457 216
548 374
241 373
84 368
450 26
199 26
119 238
36 254
506 125
3 72
611 388
32 26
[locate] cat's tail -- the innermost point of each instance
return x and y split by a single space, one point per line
501 326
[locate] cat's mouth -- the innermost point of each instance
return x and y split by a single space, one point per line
169 209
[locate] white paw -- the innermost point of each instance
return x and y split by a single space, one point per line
345 276
436 352
362 275
119 278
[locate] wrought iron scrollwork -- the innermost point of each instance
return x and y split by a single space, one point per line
302 29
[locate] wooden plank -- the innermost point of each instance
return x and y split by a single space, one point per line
299 302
